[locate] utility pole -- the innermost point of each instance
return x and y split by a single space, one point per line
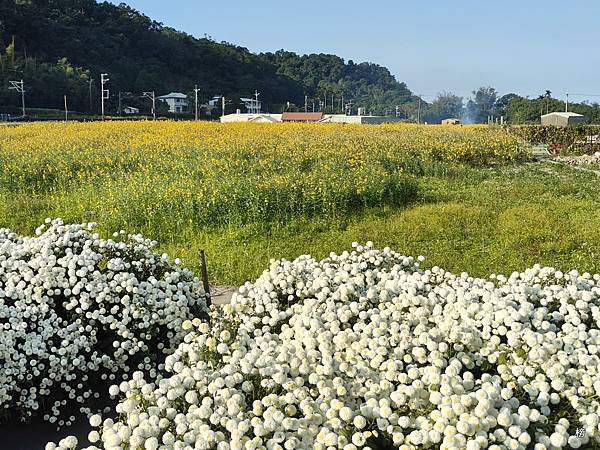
419 111
152 97
66 110
196 101
306 103
223 105
342 104
105 92
90 81
19 86
256 107
122 95
567 103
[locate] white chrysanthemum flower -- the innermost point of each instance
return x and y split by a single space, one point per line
367 347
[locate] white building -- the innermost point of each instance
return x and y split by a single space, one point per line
253 106
359 120
247 117
562 119
299 117
215 102
177 102
131 110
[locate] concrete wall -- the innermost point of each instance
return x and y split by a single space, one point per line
245 117
372 120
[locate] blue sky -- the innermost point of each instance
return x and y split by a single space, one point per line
524 46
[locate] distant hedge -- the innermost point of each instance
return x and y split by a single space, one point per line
579 139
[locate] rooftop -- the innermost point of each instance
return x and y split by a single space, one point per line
173 95
563 114
302 116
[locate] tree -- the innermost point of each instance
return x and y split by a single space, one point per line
482 105
446 105
548 96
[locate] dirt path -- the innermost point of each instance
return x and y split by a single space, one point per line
221 295
571 166
543 157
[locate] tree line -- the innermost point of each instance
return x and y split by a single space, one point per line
59 47
485 103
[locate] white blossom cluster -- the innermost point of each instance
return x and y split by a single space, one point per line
366 350
77 312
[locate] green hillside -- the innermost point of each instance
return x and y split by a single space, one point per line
57 45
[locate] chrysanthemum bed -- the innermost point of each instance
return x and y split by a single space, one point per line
78 313
367 350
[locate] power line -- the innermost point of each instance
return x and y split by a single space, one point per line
152 97
19 86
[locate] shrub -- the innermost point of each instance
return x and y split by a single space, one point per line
78 312
366 349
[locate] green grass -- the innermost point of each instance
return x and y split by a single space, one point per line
282 192
480 221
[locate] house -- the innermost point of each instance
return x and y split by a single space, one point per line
451 121
131 110
358 120
562 119
247 117
177 102
301 116
212 106
253 106
316 117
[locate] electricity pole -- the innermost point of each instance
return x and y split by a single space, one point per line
105 92
66 110
567 103
306 103
256 108
19 86
122 95
90 81
223 106
152 97
196 101
419 111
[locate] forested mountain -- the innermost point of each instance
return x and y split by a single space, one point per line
366 84
56 46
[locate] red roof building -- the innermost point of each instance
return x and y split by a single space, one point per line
301 116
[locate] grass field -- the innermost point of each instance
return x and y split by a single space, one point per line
462 196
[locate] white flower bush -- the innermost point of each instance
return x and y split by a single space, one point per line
366 350
78 312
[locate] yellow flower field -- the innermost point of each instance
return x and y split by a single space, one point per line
178 174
